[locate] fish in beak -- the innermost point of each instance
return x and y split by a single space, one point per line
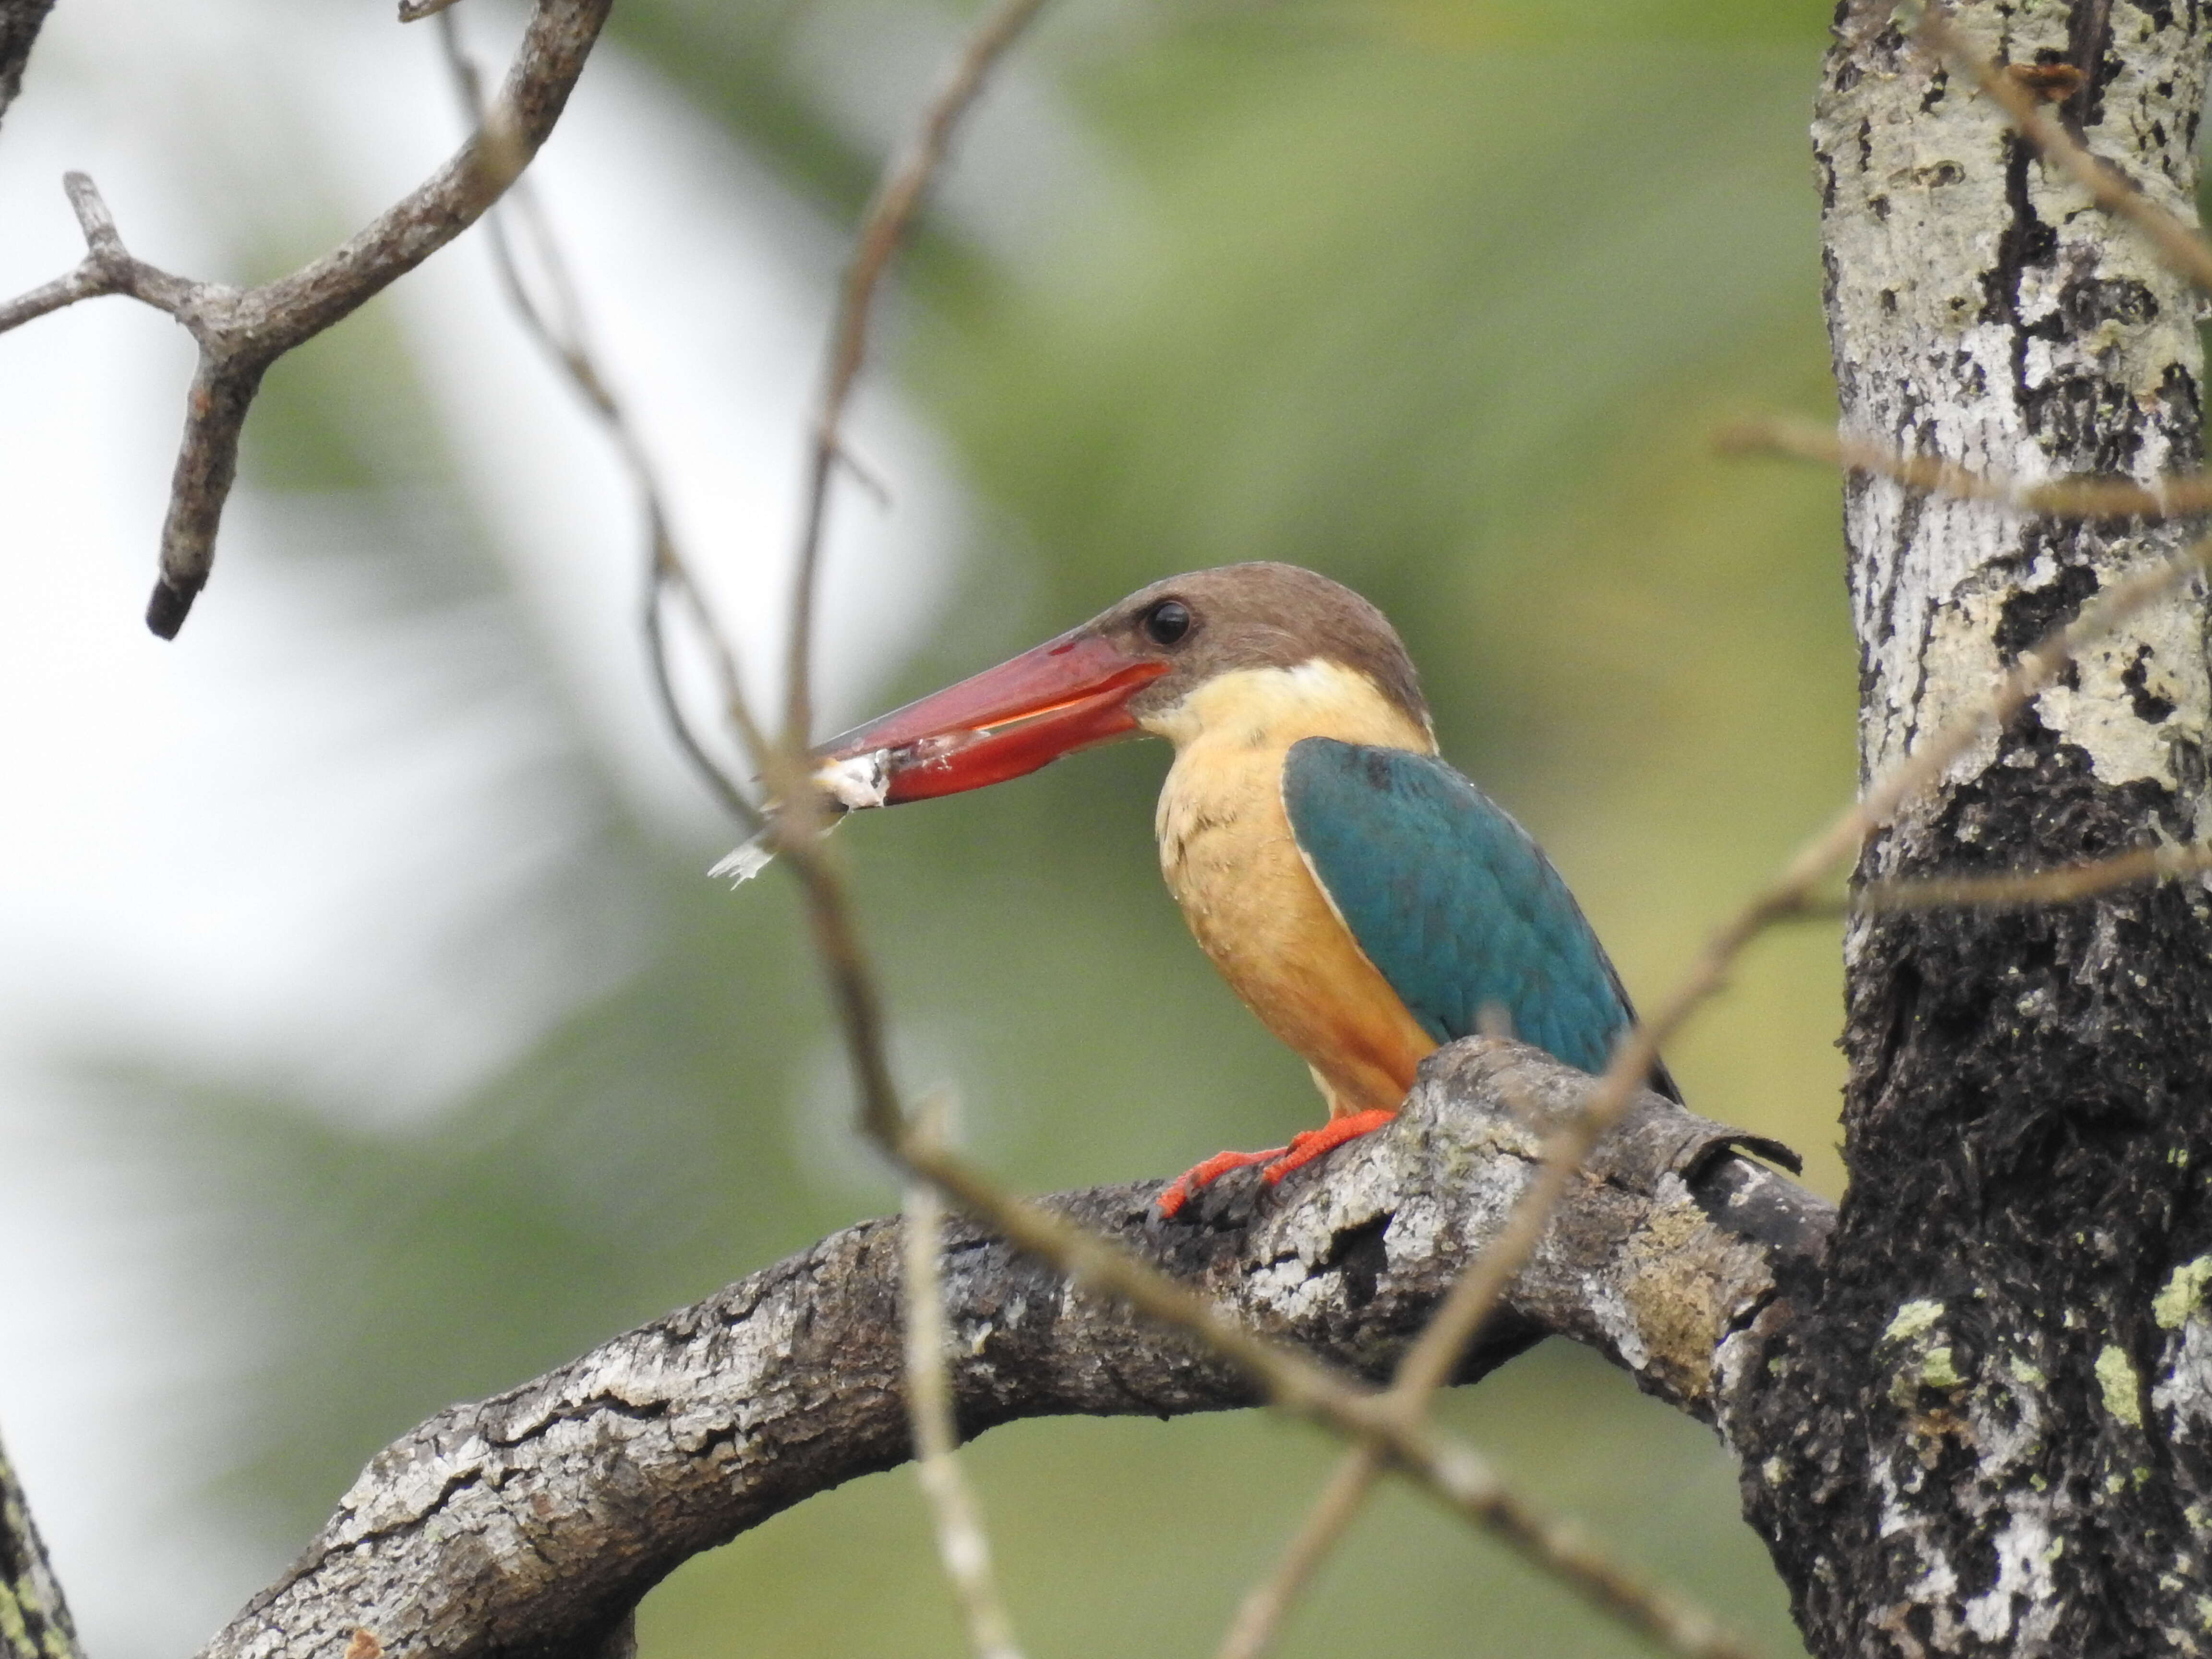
1068 694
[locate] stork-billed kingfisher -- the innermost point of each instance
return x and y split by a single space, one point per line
1366 901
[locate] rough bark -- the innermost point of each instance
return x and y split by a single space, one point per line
531 1522
35 1621
2003 1388
19 23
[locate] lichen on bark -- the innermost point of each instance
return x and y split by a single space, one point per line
2003 1424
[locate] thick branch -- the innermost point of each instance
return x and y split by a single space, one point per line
1997 1404
528 1521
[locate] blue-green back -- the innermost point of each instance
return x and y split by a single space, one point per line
1453 902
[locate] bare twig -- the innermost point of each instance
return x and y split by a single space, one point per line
2178 247
884 226
414 11
2181 496
34 1619
961 1542
1259 1615
558 326
242 331
2066 885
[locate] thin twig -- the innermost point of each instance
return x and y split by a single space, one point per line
1260 1613
889 213
414 11
2086 497
2178 247
2066 885
242 331
961 1542
559 327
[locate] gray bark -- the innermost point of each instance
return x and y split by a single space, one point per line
19 23
531 1522
2003 1383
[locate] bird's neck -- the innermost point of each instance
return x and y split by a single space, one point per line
1263 710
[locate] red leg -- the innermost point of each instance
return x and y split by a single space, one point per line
1179 1190
1279 1160
1305 1148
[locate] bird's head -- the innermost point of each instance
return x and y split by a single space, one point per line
1159 661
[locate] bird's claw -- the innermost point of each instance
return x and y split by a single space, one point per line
1179 1191
1278 1161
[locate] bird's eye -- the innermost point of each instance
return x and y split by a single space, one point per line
1167 621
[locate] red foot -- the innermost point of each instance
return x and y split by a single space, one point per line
1279 1160
1204 1175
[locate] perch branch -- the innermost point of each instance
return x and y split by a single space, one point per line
575 1493
242 331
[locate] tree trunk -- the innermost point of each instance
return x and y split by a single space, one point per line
2002 1386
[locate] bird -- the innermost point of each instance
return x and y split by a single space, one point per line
1363 898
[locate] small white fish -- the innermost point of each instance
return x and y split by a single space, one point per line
856 784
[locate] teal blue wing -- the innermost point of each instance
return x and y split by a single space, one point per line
1453 902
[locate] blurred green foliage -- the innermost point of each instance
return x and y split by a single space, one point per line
1441 299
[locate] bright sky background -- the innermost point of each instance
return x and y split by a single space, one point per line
138 903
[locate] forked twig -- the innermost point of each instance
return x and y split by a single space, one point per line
242 331
890 212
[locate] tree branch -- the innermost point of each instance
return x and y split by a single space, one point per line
540 1517
242 331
